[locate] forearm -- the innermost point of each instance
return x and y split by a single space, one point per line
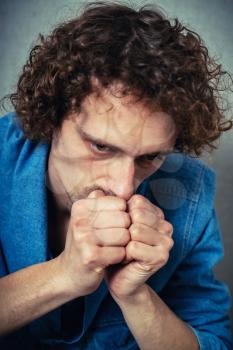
154 325
30 293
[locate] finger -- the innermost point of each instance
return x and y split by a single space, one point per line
138 201
144 234
109 219
96 194
111 237
165 227
112 255
98 258
81 206
144 216
149 255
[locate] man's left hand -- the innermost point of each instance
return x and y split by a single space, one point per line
146 252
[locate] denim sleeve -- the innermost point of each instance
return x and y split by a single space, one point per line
193 292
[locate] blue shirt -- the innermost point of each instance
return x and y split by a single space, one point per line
184 189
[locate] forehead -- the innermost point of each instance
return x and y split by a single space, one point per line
126 122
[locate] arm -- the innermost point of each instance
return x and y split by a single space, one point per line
192 294
195 295
191 312
154 325
30 293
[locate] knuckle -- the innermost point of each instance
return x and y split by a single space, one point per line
169 228
77 207
81 236
90 255
137 215
168 242
125 236
164 257
135 231
154 221
171 244
138 200
121 253
166 227
80 221
126 219
132 246
117 256
77 237
121 204
160 213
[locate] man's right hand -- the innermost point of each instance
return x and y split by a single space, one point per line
97 234
96 237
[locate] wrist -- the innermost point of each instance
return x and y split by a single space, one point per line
139 296
62 281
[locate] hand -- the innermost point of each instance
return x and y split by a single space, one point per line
96 237
146 252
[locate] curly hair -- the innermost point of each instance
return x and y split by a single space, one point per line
155 59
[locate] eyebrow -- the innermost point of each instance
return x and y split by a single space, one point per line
90 138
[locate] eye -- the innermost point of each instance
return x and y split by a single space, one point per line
150 159
100 148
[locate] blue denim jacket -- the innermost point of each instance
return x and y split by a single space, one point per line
183 188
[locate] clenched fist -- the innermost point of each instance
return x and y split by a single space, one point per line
96 238
146 252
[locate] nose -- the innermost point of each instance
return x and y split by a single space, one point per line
121 176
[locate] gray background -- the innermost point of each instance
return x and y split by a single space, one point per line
22 20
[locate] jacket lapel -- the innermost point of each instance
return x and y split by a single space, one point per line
26 224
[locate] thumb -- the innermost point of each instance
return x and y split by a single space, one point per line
96 194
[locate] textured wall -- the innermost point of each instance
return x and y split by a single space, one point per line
22 20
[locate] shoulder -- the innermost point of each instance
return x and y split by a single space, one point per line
16 151
10 133
9 122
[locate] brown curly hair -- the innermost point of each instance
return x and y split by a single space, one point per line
158 60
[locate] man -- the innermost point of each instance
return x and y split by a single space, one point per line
86 262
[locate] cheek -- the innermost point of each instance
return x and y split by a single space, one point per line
87 172
74 172
101 169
